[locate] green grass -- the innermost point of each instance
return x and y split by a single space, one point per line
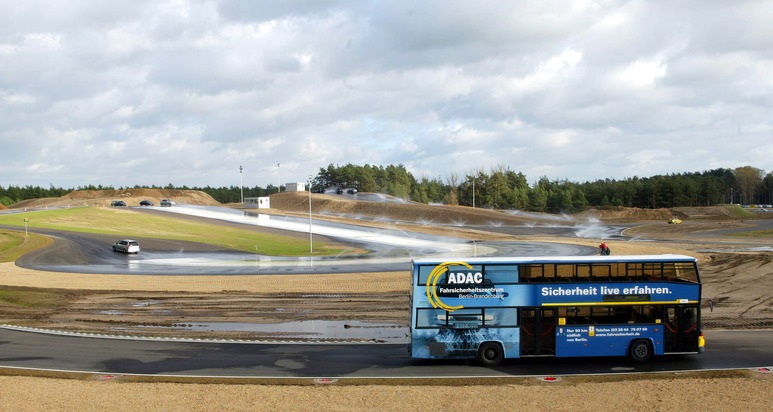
127 224
14 244
31 298
738 211
754 234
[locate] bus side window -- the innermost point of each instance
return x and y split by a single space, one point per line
686 272
669 272
649 271
424 272
633 271
431 318
601 272
583 272
549 272
647 314
565 272
501 274
528 273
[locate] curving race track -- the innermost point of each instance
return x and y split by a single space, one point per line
41 351
391 250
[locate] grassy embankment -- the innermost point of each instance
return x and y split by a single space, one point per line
740 212
743 213
14 244
131 224
128 223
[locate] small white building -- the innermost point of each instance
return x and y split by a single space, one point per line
295 187
257 203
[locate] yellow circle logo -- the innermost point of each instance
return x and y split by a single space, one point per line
434 276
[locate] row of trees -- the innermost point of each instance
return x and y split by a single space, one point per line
502 188
15 194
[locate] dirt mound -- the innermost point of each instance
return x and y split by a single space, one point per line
298 202
735 289
375 206
383 206
638 214
707 212
132 197
625 214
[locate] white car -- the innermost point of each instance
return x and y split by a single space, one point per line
167 203
126 246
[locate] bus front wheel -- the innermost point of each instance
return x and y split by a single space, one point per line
640 350
490 354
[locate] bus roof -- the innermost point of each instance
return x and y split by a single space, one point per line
557 259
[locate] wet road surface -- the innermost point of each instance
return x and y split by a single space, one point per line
391 250
21 349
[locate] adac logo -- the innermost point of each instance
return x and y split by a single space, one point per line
434 276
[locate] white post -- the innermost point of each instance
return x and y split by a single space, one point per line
311 247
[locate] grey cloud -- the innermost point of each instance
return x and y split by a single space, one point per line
98 90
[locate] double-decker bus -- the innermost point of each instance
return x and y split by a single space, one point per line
512 307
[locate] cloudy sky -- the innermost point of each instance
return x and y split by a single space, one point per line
154 92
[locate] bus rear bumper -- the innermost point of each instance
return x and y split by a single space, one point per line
701 343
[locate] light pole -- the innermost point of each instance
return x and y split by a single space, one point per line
241 183
311 247
279 177
473 193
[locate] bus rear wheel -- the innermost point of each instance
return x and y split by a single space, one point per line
490 354
640 350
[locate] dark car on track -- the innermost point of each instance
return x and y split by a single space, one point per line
146 203
117 203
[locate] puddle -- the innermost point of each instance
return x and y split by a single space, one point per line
735 250
312 330
112 312
144 303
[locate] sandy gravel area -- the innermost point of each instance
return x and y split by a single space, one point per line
740 391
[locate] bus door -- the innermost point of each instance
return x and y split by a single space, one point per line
681 329
538 331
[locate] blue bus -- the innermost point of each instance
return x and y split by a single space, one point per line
498 308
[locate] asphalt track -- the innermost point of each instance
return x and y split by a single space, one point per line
40 351
390 250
